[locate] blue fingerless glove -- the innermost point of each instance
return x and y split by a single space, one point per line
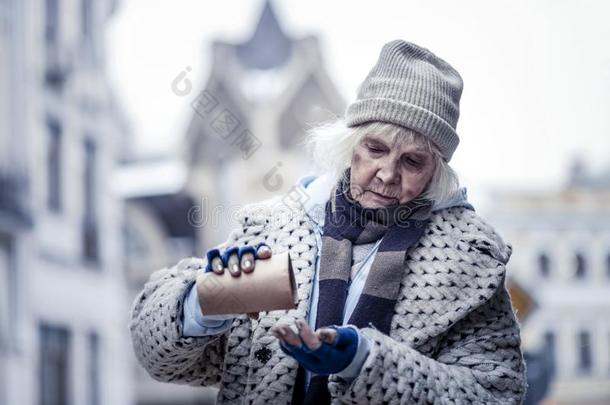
239 250
328 358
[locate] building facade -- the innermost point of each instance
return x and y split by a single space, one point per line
561 242
63 323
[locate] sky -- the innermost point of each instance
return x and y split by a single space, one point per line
536 73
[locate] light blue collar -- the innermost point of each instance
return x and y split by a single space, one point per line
316 191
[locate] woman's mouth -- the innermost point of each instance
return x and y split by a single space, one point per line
381 197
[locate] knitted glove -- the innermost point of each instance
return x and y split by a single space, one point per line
239 250
238 266
327 358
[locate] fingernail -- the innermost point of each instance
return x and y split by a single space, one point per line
247 263
235 268
218 266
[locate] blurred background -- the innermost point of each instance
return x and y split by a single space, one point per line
132 130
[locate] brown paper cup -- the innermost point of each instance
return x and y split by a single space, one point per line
269 287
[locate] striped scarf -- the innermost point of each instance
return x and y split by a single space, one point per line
347 223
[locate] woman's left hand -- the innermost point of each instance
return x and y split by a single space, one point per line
328 350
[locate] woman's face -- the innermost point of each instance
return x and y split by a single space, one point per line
384 174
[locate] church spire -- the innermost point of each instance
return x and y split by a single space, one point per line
269 46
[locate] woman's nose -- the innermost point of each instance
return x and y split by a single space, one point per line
387 172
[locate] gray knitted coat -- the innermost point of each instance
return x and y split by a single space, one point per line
454 337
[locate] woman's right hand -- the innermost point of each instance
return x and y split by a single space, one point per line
237 259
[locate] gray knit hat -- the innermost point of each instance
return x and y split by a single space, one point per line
411 87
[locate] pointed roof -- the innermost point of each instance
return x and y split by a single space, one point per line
269 46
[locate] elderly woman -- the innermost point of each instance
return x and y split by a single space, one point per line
401 285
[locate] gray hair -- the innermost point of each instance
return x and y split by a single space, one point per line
331 145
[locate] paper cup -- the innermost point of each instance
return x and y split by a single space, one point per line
270 286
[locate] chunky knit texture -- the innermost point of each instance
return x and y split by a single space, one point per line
412 87
454 338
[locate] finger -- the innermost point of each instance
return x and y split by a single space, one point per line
327 335
214 261
246 256
263 251
284 346
310 339
276 330
289 336
233 265
217 265
248 262
231 261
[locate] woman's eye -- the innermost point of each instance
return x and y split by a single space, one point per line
412 162
374 149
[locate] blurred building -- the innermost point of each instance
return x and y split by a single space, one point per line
157 233
242 145
243 142
561 242
63 299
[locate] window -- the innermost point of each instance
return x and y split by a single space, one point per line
4 290
57 66
584 352
549 342
89 54
54 371
54 158
135 245
87 18
94 369
89 185
90 224
8 316
544 265
51 21
581 266
8 291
